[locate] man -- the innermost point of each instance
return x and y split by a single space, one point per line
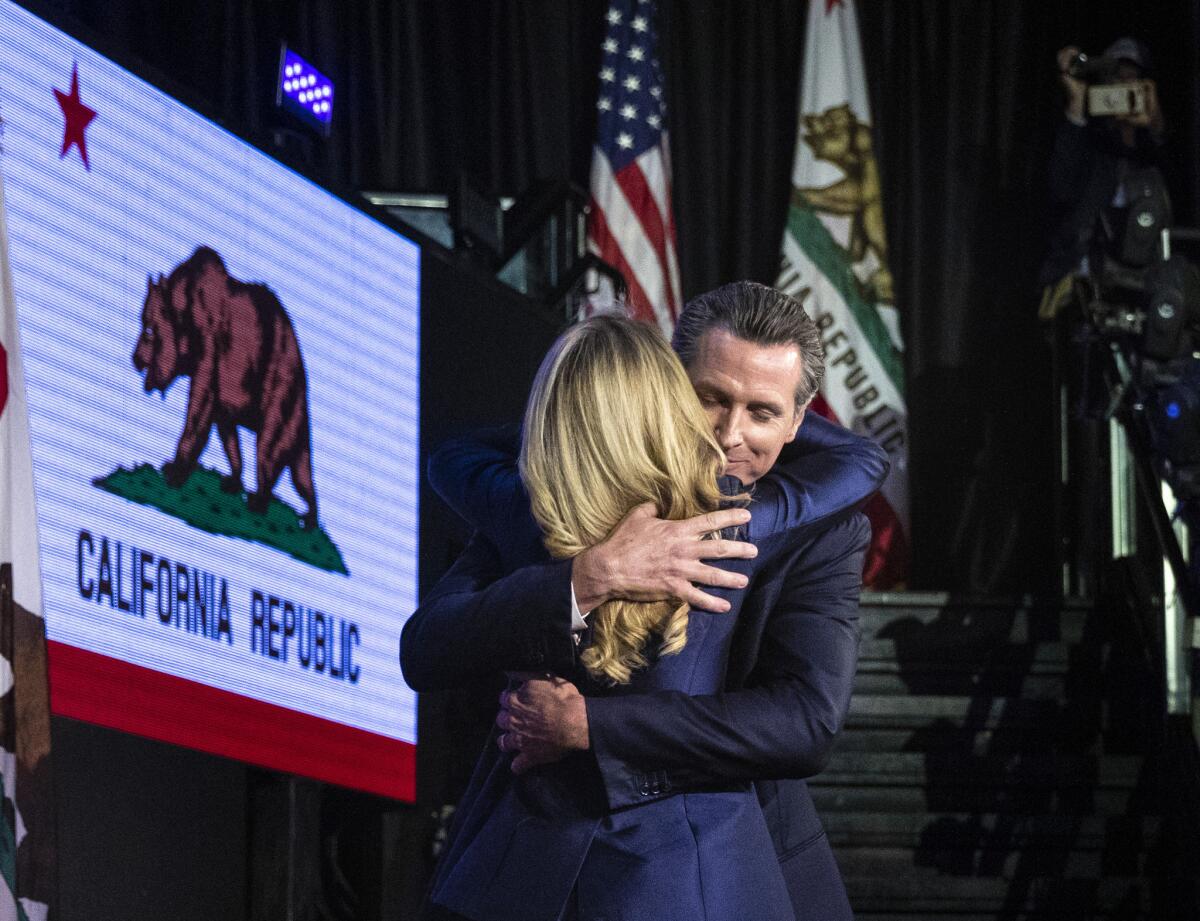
1093 156
756 361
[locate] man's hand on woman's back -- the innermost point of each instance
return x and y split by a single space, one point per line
647 558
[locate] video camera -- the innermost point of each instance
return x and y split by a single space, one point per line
1143 298
1141 289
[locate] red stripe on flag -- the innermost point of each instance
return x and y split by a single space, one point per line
673 236
889 554
609 250
632 181
821 408
108 692
886 566
675 279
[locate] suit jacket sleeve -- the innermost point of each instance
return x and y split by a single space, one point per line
476 621
476 475
827 468
832 471
782 726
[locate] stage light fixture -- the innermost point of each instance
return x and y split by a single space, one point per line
304 91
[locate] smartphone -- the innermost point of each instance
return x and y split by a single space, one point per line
1118 99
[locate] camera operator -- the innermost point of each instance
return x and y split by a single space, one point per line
1093 152
1099 152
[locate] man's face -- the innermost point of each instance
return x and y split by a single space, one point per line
749 393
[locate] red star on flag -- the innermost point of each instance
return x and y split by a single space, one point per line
77 117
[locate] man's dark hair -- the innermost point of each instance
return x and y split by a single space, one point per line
758 314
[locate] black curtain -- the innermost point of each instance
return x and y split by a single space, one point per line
963 160
732 74
964 96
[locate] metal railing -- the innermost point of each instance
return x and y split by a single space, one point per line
535 243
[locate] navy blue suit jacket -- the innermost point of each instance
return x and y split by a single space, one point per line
790 668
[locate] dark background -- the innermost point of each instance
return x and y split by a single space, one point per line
964 98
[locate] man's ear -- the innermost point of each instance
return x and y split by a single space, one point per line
796 423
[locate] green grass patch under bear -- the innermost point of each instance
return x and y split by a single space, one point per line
203 504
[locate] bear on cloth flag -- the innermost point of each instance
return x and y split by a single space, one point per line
835 259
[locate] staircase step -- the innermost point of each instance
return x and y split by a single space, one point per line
1079 914
831 798
944 739
993 831
914 769
932 895
959 679
1050 656
972 624
933 865
968 669
919 711
934 599
914 650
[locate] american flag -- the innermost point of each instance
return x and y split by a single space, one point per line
631 225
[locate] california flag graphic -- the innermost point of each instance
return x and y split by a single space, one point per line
835 259
27 829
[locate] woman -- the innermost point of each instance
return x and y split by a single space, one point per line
613 422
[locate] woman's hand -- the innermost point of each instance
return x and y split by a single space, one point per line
542 719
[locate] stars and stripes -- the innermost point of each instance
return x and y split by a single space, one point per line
631 225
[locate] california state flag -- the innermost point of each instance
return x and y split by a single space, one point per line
835 260
27 869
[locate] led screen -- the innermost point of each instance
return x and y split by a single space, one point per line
222 371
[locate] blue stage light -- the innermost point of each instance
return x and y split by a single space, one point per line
1173 410
304 91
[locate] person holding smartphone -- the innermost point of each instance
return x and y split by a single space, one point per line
1097 147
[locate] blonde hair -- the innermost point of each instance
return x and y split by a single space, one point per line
613 422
